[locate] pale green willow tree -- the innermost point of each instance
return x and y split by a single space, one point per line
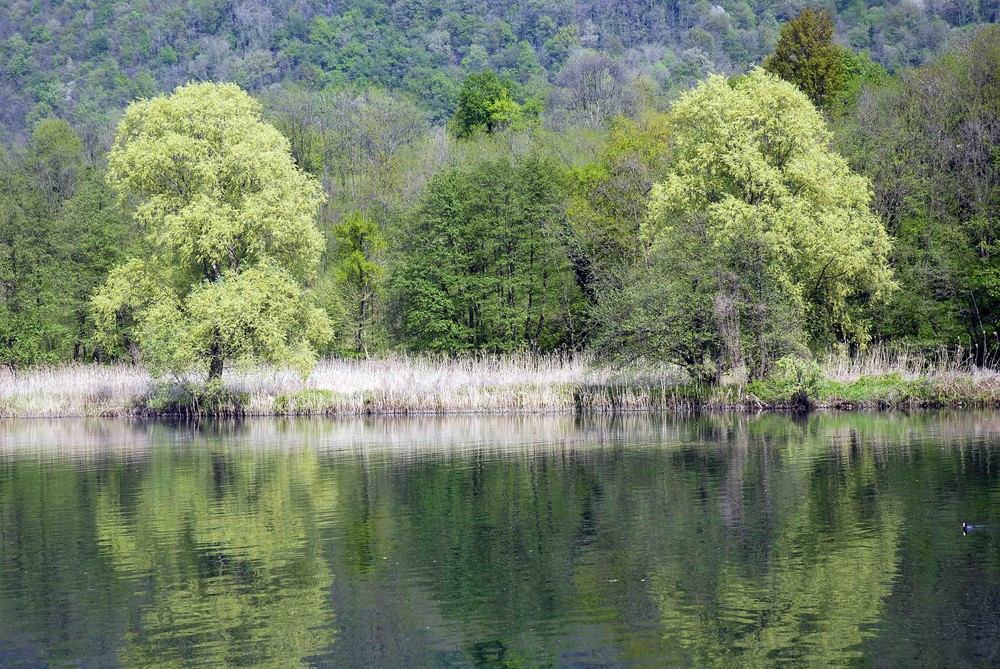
230 222
761 239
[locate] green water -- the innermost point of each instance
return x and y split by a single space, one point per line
502 542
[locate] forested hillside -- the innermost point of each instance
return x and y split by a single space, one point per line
538 176
82 60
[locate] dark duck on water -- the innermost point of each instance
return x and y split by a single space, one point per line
968 527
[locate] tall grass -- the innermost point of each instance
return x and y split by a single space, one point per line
508 384
394 385
885 376
73 390
909 363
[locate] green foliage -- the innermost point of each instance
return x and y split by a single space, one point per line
230 221
106 54
881 390
358 269
807 57
305 402
860 72
610 198
57 157
793 380
761 239
722 236
930 143
483 266
485 104
60 232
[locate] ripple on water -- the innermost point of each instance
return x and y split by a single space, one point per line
720 540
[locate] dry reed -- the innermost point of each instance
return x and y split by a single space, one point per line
384 386
509 384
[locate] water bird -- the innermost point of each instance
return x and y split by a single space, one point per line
968 527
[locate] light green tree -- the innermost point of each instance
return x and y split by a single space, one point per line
230 225
360 245
761 239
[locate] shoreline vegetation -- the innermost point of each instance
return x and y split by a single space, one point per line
701 248
508 384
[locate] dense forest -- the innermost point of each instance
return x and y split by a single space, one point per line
84 60
717 186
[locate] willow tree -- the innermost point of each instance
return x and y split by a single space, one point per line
761 239
230 226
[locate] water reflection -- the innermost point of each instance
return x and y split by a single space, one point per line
720 540
226 547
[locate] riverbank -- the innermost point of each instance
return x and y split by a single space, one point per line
407 385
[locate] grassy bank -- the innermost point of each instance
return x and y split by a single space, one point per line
509 384
884 379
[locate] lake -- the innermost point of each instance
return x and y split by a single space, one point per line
703 541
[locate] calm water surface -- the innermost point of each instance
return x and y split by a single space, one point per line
502 542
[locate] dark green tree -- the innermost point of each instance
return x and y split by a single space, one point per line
485 104
807 57
483 266
61 230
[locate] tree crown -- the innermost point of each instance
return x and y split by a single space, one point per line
230 220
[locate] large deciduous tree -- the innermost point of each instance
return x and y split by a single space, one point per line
760 237
230 223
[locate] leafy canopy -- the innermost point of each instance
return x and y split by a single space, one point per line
807 57
759 235
610 196
485 104
483 266
931 145
230 226
60 233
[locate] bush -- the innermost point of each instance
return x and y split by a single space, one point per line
186 399
793 380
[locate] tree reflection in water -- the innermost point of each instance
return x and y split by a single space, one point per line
708 541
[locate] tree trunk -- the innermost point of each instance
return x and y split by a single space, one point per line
215 367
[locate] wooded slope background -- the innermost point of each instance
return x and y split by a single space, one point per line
83 59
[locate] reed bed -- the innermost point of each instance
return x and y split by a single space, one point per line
397 385
908 363
508 384
73 390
